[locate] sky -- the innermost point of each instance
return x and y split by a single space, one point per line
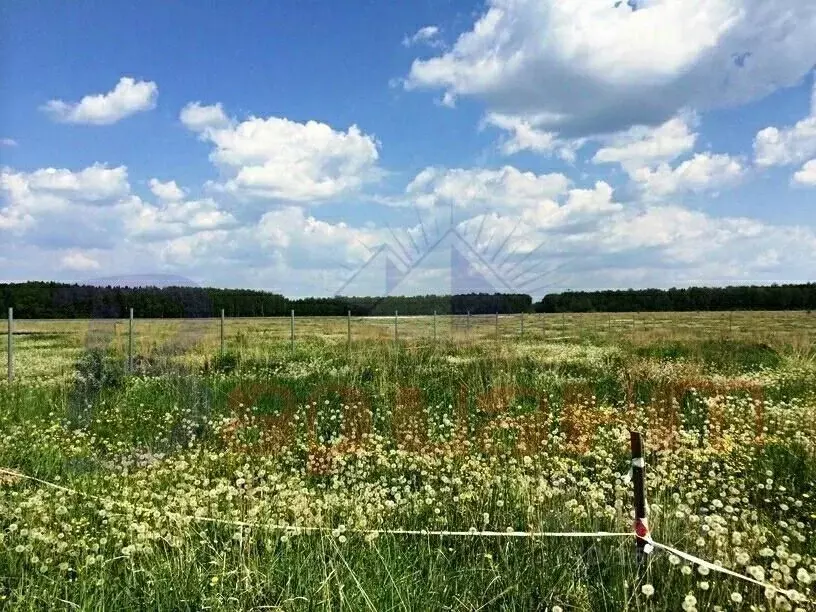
365 148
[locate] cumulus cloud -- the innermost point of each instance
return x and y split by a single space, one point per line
94 207
306 241
506 187
429 35
807 174
584 67
24 196
791 145
166 191
282 159
524 136
127 98
200 118
703 172
78 261
8 142
641 146
173 218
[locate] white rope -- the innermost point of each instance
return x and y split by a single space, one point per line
791 594
312 529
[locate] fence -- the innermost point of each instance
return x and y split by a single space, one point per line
645 544
225 334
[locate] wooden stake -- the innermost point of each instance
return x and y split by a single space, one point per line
639 487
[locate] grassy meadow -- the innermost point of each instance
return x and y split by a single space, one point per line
260 478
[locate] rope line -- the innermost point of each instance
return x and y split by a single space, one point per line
790 594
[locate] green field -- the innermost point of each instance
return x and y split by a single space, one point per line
178 476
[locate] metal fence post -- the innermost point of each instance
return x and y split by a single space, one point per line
292 331
222 332
130 343
11 345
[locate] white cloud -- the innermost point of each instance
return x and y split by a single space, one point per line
428 35
166 191
78 261
641 146
24 196
306 241
282 159
8 142
127 98
173 218
703 172
807 175
524 136
584 67
94 208
507 187
200 118
781 147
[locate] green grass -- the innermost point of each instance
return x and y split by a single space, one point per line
523 433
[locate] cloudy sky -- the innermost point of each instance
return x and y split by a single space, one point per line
289 145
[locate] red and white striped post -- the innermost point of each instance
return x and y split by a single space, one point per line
639 485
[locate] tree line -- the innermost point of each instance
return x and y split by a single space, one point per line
50 300
748 297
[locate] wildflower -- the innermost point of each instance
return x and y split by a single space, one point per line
703 585
803 576
736 597
689 603
647 590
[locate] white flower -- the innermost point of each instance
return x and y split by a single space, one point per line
802 576
736 597
647 590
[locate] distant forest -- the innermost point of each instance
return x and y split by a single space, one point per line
772 297
42 300
45 300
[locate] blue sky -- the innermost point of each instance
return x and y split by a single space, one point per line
283 146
